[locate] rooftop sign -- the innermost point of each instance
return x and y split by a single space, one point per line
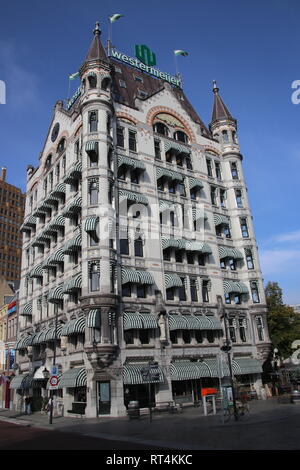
147 56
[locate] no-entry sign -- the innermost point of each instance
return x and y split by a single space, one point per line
53 382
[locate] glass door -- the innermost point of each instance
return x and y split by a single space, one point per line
103 398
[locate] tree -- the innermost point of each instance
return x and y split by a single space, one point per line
283 321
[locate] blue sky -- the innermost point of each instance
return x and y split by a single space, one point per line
250 48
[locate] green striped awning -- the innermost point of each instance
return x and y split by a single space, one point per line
59 190
23 342
74 173
170 174
41 240
29 223
56 257
132 374
73 207
18 382
178 148
48 263
37 271
178 322
216 368
53 333
91 146
165 205
73 284
198 214
172 243
27 309
195 182
246 365
45 207
40 336
134 197
93 319
73 378
56 224
220 219
131 162
172 280
132 321
202 247
90 225
186 370
74 327
136 277
192 322
226 252
215 323
72 245
145 277
204 322
51 199
56 295
235 287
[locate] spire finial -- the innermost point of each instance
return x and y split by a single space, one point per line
215 88
97 29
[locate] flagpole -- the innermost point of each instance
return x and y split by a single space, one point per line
176 64
109 37
69 86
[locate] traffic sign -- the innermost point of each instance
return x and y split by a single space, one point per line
54 370
53 382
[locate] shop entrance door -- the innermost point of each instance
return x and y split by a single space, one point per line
103 398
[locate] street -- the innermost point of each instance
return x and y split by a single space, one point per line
271 426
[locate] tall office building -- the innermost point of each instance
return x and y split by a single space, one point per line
138 246
12 202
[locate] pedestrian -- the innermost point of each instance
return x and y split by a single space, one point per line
44 408
28 401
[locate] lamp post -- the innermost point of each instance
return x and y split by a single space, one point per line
227 348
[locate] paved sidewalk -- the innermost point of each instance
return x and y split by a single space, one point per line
270 426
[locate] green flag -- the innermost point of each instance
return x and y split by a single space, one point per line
180 52
73 76
115 17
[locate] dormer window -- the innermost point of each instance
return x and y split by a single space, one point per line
122 83
142 94
161 128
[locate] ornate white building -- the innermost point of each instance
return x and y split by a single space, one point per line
138 238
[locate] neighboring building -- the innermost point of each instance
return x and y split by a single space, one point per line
11 217
138 237
296 307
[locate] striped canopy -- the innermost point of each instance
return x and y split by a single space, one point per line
44 207
59 190
29 223
18 382
73 284
74 327
139 321
93 319
56 295
91 146
136 276
73 378
27 309
131 162
187 370
73 207
172 280
235 287
175 146
198 214
56 224
193 322
72 245
37 271
165 205
226 252
91 222
132 374
134 197
195 183
74 173
56 257
169 174
221 219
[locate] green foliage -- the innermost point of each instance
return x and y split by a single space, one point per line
283 322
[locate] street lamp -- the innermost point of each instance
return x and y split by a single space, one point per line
46 373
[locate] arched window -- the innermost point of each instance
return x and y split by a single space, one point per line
92 79
105 84
48 161
225 136
161 128
234 137
62 145
181 136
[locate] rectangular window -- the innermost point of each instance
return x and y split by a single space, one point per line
178 256
249 259
227 231
205 296
181 189
122 84
129 337
232 264
213 192
194 291
222 264
232 333
244 228
260 329
132 140
94 193
189 164
218 170
172 187
227 299
157 149
170 293
126 290
254 292
124 246
174 336
120 137
138 248
222 197
144 336
181 290
234 171
141 291
201 259
95 286
135 176
186 336
209 167
190 257
238 197
93 121
242 330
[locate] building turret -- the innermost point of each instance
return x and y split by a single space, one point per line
223 125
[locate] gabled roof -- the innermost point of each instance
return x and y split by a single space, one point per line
220 110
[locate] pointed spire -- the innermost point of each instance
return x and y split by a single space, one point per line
96 51
220 111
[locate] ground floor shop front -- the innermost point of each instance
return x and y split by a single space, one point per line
108 393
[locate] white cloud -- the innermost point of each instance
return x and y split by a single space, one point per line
279 261
288 237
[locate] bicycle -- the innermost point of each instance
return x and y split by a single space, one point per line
242 410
